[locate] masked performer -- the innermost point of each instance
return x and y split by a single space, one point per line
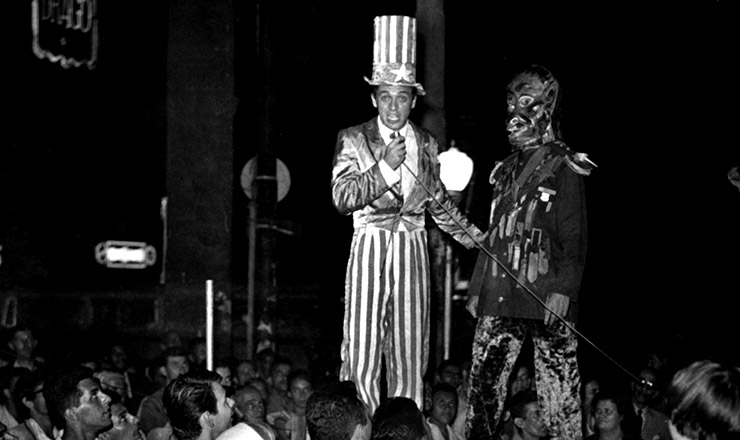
537 236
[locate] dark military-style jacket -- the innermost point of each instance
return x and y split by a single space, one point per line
537 231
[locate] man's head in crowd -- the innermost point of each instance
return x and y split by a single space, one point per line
77 403
704 402
250 403
22 343
398 418
444 405
300 388
29 397
527 415
279 372
175 362
197 406
449 372
335 412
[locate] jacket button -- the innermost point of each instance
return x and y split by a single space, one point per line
500 299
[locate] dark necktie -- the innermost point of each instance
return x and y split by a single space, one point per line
393 136
639 419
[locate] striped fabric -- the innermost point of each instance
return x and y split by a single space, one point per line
395 40
387 312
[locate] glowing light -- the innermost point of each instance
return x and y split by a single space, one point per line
125 254
456 168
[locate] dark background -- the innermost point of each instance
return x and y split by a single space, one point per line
648 92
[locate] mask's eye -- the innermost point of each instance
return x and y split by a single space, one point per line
525 100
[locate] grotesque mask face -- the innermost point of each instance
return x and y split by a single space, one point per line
531 100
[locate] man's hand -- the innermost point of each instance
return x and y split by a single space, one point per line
472 306
395 152
559 305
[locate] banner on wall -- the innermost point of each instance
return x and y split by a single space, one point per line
66 32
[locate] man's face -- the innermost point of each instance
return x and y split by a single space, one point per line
606 416
522 381
394 104
645 390
300 391
225 373
529 105
451 375
532 423
23 344
199 353
224 405
122 419
444 407
176 366
251 405
245 371
118 357
93 410
279 377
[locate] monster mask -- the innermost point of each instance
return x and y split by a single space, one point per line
531 99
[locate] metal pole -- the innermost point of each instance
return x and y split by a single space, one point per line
251 270
209 325
448 298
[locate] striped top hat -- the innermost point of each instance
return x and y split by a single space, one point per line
394 52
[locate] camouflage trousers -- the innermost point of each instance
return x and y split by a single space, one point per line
497 344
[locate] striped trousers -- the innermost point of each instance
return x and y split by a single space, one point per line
386 313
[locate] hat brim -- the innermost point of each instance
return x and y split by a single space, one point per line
419 88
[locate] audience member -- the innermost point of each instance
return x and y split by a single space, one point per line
224 370
278 399
245 370
197 406
117 359
8 379
653 423
32 410
114 383
197 353
262 386
444 409
125 424
290 423
76 403
399 418
335 412
704 402
458 425
612 418
265 358
249 404
526 416
589 388
448 371
521 380
22 345
151 412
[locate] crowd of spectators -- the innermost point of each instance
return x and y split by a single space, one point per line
269 397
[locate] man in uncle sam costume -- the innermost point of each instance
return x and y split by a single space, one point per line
386 175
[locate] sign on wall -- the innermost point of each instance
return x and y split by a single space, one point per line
66 32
